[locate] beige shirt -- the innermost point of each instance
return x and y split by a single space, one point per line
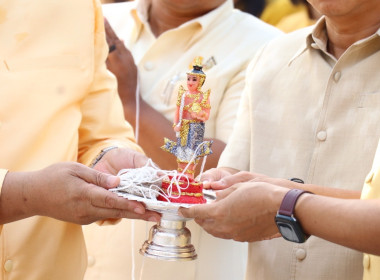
58 103
226 39
305 114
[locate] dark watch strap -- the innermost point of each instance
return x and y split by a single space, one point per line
289 201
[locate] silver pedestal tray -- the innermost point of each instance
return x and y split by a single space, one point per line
169 239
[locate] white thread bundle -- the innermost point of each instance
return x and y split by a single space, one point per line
146 181
143 181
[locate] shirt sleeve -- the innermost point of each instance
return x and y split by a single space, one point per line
103 122
237 152
227 109
3 173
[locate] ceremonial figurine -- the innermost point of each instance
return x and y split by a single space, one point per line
165 191
193 110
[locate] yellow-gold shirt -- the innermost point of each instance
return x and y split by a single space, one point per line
295 21
371 190
58 103
275 10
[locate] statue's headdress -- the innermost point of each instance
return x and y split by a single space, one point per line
197 70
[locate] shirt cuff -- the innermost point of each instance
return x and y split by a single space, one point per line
91 154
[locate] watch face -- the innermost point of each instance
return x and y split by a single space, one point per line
290 229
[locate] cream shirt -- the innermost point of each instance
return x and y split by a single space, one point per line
226 39
371 190
58 103
305 114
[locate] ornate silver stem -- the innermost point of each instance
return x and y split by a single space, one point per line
169 240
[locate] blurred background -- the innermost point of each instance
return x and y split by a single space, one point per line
287 15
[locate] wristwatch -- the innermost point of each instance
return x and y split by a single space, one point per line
287 224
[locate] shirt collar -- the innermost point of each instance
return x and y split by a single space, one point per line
140 15
214 16
317 39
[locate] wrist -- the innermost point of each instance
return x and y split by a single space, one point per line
278 196
300 210
286 220
102 153
16 198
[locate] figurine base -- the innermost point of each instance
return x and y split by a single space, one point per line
169 240
189 191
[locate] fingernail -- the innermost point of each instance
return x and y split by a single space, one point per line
222 182
139 210
112 181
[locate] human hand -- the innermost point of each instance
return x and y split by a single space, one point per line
69 192
243 212
120 158
211 177
231 179
121 63
227 180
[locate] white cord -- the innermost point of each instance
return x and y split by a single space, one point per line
143 259
192 160
133 248
202 167
137 124
137 94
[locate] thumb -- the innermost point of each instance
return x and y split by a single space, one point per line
228 181
98 178
139 160
196 211
224 193
209 177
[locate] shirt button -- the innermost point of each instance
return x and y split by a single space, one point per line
366 261
149 65
322 135
301 254
8 265
337 76
91 261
